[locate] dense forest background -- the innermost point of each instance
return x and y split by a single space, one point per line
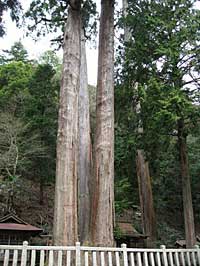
156 90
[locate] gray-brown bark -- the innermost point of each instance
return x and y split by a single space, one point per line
146 198
186 187
145 189
103 196
85 151
65 212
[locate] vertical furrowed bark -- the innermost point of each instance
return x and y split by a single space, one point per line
103 196
85 150
146 198
65 211
186 188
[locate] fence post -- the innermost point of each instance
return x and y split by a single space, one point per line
125 255
198 253
24 253
78 254
163 247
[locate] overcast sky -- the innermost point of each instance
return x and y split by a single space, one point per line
35 49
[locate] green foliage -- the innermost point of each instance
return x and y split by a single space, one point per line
41 113
15 9
50 16
14 79
125 147
162 56
117 233
50 58
29 94
123 190
16 53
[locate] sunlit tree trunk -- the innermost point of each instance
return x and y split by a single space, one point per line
186 187
85 150
103 196
65 211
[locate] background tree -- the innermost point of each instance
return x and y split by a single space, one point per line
16 139
41 113
14 79
17 52
150 55
29 93
50 58
142 165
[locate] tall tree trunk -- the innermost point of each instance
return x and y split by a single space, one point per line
85 150
65 211
186 187
103 196
146 198
145 189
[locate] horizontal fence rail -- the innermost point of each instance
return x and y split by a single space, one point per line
26 255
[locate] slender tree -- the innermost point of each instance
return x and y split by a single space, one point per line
143 174
103 196
65 212
145 189
186 185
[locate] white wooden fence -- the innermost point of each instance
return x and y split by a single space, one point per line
96 256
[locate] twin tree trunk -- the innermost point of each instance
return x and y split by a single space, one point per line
186 187
65 230
103 195
74 158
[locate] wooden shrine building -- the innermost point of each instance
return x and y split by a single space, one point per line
13 230
130 236
127 233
